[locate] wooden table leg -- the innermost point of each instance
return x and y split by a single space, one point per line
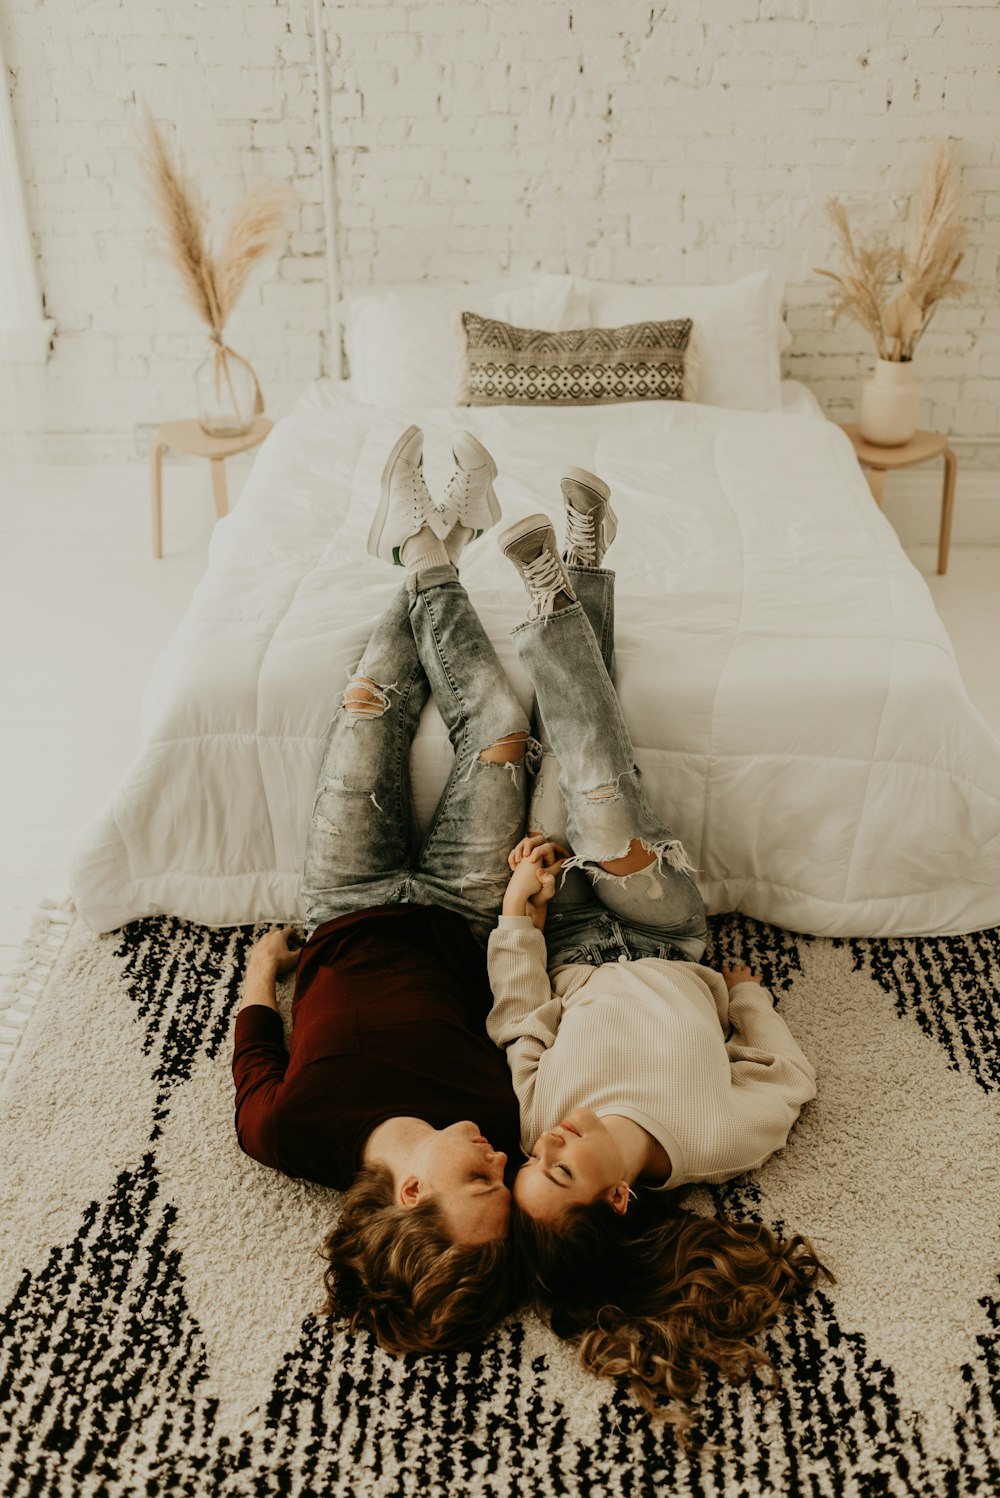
218 467
876 483
947 504
156 450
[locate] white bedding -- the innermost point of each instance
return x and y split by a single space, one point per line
794 700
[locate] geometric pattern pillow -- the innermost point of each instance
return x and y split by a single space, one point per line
644 361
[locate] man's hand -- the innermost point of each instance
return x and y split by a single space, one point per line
273 953
269 957
734 975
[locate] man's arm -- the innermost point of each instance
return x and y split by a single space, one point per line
259 1056
269 956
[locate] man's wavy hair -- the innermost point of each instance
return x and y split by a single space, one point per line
394 1271
659 1295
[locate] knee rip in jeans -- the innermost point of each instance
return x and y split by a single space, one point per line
509 750
611 791
364 698
510 753
670 852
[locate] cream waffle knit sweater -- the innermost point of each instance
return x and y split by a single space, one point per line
714 1076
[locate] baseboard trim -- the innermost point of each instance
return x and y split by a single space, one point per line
912 503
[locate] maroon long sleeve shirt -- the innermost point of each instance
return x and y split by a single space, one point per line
388 1020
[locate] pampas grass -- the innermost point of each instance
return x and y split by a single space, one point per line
212 283
892 292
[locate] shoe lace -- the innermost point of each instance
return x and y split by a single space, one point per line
456 496
581 535
544 578
420 495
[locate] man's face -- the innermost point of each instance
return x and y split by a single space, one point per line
463 1174
572 1164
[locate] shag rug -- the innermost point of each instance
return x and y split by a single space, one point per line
160 1289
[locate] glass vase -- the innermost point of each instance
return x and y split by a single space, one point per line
226 394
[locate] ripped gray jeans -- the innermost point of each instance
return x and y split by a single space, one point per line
588 795
363 848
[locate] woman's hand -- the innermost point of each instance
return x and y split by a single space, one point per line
734 975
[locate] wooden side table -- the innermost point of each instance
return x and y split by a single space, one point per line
921 447
188 437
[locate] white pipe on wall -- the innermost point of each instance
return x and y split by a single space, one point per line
25 333
329 204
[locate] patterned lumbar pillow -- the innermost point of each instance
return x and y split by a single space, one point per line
644 361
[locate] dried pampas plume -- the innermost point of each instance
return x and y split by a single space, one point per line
893 293
213 283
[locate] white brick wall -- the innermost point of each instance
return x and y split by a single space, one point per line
692 140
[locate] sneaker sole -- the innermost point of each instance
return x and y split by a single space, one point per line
382 513
589 481
522 528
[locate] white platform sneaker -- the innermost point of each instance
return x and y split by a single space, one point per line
470 499
406 505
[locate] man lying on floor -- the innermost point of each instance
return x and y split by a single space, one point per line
389 1059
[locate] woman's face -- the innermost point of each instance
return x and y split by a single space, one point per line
572 1164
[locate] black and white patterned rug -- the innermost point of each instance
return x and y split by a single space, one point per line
160 1290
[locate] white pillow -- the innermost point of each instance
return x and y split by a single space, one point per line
740 363
403 342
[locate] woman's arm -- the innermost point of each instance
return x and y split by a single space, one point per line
524 1020
770 1080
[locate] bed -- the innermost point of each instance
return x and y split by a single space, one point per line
794 700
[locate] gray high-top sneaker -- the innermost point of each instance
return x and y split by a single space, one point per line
406 505
591 523
470 499
531 545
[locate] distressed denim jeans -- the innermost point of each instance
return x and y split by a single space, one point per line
588 794
363 848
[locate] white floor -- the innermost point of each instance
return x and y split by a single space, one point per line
84 609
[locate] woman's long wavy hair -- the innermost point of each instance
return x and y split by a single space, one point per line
395 1272
659 1295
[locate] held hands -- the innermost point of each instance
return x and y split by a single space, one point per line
535 863
734 975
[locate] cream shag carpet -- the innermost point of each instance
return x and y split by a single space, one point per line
160 1289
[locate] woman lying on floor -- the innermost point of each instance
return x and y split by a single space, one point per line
634 1065
389 1060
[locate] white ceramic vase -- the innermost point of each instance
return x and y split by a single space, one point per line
889 404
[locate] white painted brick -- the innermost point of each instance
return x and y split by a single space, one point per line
643 142
382 103
622 17
344 20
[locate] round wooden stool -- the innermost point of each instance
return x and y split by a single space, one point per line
921 447
188 437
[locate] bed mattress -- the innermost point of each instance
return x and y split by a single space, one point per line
793 697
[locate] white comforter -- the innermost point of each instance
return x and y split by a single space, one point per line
793 697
